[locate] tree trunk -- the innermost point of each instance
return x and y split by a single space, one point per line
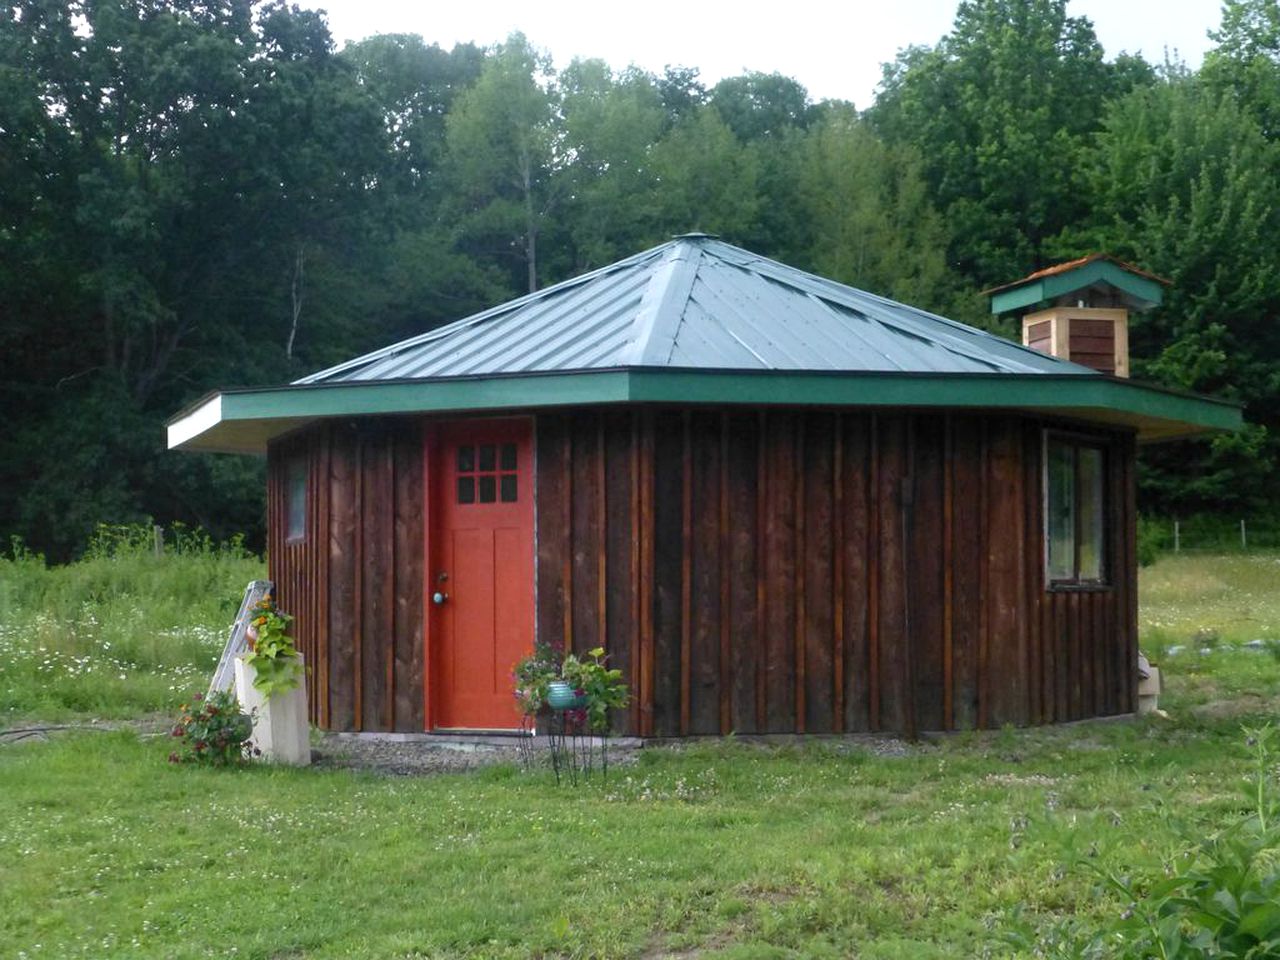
295 300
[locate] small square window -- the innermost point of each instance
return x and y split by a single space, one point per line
466 459
466 489
488 490
509 489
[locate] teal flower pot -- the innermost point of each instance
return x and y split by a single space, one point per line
561 696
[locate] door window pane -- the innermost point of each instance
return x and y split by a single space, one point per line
509 489
487 458
466 489
508 456
466 459
488 490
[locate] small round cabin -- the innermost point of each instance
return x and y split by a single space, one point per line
781 505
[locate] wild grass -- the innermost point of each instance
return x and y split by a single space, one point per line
730 850
121 632
1198 601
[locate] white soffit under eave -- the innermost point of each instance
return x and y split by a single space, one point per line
203 418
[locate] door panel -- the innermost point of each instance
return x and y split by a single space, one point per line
484 563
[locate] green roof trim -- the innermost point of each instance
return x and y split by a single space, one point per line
244 421
1048 285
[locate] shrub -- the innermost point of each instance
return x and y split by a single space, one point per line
214 732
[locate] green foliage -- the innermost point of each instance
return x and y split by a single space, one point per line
533 675
872 223
272 655
1001 111
603 687
213 732
199 195
1150 541
1216 898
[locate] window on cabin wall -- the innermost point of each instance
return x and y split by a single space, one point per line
1075 510
295 500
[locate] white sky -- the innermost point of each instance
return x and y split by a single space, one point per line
834 48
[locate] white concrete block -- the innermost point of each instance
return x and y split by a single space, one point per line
1149 691
280 727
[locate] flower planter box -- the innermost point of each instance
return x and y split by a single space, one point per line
280 728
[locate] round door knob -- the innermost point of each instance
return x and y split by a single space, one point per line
438 598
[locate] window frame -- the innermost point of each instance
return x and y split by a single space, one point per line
1076 441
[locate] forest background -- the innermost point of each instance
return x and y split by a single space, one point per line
206 193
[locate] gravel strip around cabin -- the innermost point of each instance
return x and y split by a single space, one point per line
406 758
421 757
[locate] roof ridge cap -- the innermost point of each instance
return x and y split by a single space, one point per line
662 307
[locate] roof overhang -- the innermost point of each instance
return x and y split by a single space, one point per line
1139 290
245 420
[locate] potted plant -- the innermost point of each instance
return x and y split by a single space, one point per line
268 683
533 677
598 688
272 653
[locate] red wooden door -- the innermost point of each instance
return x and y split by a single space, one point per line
480 588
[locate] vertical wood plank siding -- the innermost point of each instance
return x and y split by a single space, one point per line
776 571
354 581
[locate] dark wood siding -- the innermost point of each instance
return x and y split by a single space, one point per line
354 581
750 571
819 572
1093 343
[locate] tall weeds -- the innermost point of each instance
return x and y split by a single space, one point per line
126 629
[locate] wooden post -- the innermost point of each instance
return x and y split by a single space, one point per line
157 537
1177 537
1244 539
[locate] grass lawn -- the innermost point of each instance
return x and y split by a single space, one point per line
729 850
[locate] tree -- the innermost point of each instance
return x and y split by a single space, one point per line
1186 184
1000 111
610 126
760 105
872 223
706 180
505 154
181 159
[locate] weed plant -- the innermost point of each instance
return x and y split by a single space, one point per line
122 631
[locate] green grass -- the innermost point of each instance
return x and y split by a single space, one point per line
729 850
120 633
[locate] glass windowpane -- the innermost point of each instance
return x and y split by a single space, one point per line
1091 507
1060 506
466 459
488 492
509 488
488 460
296 500
466 489
508 461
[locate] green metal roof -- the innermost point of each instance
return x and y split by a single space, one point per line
695 321
1137 288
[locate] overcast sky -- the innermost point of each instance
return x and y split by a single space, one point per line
834 48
